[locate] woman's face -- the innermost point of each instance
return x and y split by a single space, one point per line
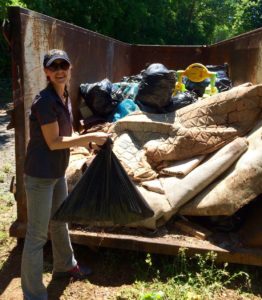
58 72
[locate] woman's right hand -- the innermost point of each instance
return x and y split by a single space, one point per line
55 141
99 138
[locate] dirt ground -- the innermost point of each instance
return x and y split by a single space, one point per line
113 269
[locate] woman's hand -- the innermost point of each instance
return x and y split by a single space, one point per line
54 141
99 138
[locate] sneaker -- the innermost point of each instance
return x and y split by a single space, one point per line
77 273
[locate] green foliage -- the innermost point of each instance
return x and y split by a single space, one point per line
153 296
146 21
150 21
248 16
5 59
224 16
5 3
181 277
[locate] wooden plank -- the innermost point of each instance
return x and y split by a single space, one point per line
192 229
167 244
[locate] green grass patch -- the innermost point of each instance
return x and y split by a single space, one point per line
181 277
2 177
7 168
3 235
6 199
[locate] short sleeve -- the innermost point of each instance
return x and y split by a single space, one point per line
44 110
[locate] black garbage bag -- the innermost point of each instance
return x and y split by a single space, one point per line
223 82
196 87
104 194
133 78
176 102
182 99
156 86
98 98
150 109
92 121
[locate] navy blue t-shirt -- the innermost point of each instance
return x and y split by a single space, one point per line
40 161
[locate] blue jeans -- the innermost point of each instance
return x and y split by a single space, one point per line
44 196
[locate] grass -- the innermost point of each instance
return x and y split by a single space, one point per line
7 216
2 177
182 278
7 168
3 235
6 200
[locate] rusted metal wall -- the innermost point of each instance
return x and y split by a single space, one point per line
19 119
96 57
243 54
173 57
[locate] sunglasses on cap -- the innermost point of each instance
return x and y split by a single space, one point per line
64 65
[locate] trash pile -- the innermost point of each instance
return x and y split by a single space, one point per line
155 90
189 141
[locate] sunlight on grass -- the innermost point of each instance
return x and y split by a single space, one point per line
6 200
3 235
2 177
195 278
7 168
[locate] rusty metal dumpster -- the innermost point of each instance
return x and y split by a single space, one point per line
95 57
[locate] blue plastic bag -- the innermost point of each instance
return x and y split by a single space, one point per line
124 108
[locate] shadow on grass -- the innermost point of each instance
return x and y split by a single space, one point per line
11 268
56 288
6 136
111 268
5 89
5 139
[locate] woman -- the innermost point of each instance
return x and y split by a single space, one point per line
45 165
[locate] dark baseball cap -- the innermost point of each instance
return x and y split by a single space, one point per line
53 55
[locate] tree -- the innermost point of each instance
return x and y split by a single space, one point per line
5 59
248 16
144 21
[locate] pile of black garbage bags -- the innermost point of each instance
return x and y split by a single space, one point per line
150 91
